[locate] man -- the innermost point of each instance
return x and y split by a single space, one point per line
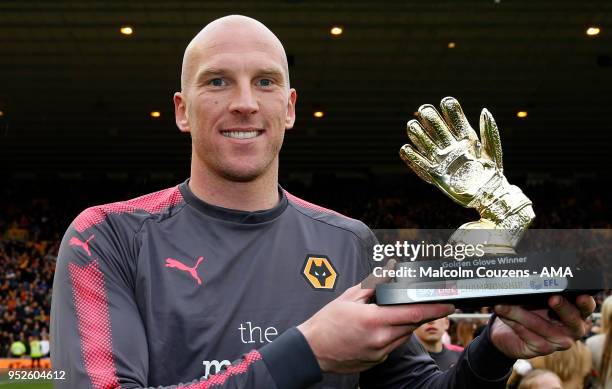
430 334
35 352
170 287
44 346
17 349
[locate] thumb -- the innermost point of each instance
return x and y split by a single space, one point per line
365 290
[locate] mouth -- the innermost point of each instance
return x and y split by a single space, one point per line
242 133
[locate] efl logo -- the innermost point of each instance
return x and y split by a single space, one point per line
319 272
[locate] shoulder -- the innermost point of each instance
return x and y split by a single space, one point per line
330 217
453 348
130 213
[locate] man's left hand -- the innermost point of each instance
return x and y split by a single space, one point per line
521 333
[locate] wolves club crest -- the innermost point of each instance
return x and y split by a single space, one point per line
319 272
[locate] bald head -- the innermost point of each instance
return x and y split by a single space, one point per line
231 33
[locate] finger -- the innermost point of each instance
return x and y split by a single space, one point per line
435 125
534 342
384 358
387 349
415 314
546 314
421 140
390 333
371 281
363 291
569 315
381 338
421 166
376 358
396 332
489 134
397 343
586 305
555 334
357 294
454 116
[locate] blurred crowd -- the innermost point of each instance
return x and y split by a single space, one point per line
25 291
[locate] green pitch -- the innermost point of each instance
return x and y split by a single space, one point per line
26 384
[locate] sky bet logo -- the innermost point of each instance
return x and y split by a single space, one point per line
319 272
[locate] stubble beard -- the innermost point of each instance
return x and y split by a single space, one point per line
231 173
242 175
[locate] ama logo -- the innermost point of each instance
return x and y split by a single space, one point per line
319 272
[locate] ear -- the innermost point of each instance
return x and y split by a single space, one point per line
290 119
180 113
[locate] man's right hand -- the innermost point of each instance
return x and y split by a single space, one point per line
348 335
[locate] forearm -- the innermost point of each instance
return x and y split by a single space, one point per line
481 365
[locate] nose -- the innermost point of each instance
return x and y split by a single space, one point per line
244 101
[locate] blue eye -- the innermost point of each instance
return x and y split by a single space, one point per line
217 82
265 82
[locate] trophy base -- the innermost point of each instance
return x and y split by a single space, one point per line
527 280
530 299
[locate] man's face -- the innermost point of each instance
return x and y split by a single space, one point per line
432 332
236 103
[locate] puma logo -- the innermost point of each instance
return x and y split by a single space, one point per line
74 241
320 272
171 262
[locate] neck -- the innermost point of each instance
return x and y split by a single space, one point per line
256 195
435 347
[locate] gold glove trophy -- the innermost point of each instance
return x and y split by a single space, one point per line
447 153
